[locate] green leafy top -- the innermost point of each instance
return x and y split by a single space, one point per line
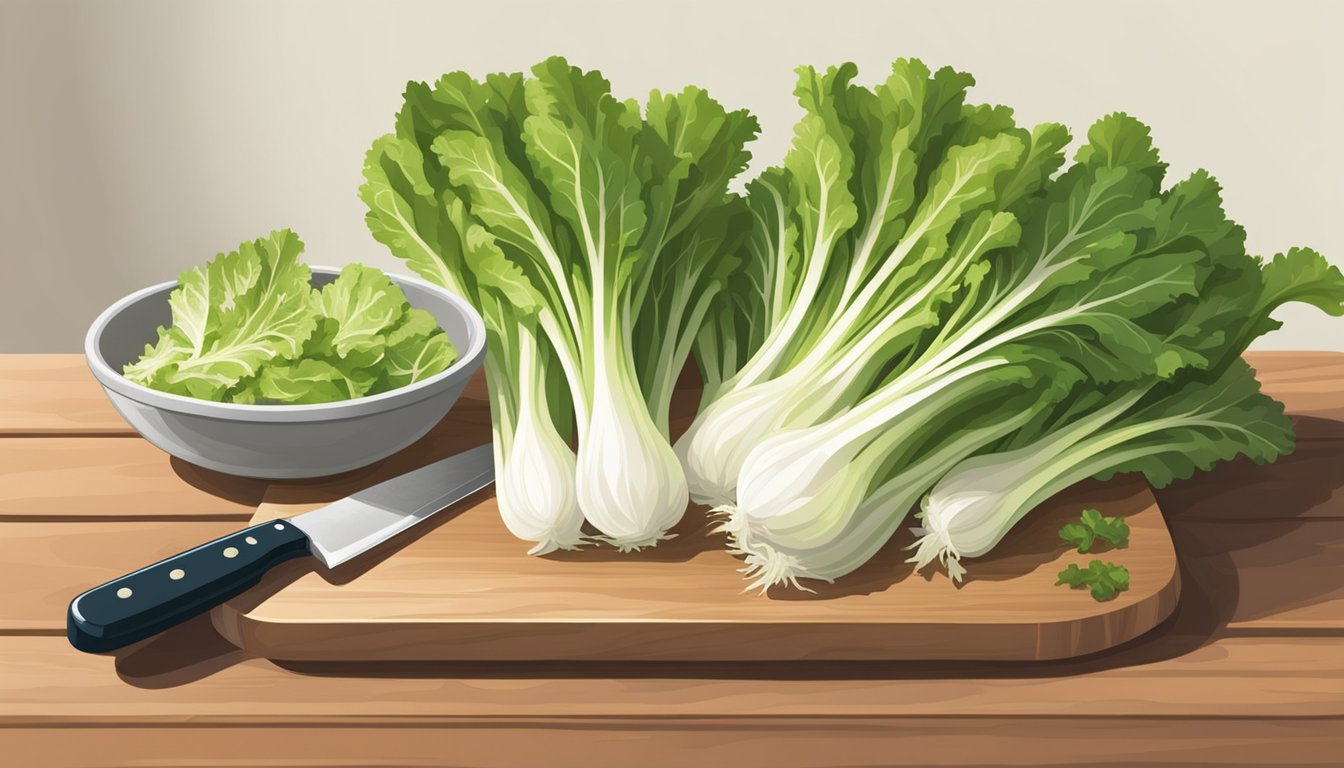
613 219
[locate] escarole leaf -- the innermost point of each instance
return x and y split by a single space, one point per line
309 381
260 317
695 230
408 216
1301 275
363 305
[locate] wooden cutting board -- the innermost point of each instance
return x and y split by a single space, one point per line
460 587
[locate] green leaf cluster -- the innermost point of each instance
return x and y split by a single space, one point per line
1114 531
248 328
1104 580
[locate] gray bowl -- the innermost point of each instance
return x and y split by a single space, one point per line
280 441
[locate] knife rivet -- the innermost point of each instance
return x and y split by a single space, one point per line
124 592
279 527
250 540
230 551
176 574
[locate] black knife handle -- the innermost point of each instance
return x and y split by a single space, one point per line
171 591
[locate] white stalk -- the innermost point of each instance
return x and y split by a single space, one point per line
779 557
535 489
630 484
799 489
713 448
797 468
973 507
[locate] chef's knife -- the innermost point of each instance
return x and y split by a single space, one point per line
171 591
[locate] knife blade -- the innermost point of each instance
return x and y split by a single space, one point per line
167 593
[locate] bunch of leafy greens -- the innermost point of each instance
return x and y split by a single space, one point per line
1165 428
595 235
930 298
248 328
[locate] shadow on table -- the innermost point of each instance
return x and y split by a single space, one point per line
240 490
1031 544
184 654
1213 517
1208 519
195 649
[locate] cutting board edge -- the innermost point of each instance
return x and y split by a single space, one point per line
1083 628
443 641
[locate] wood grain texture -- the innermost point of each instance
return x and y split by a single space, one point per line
56 561
1309 384
659 743
1280 575
484 605
54 478
1309 482
1222 682
54 395
45 682
462 588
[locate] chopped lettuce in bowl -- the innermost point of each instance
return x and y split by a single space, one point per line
247 327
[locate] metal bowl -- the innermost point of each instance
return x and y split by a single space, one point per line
280 441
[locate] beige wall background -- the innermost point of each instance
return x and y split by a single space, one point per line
141 137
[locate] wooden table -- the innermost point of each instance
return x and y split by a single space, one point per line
1250 669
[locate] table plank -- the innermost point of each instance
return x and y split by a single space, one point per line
1310 385
1275 575
45 682
1309 482
656 742
54 394
56 561
52 478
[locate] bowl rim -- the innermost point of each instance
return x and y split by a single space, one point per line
468 361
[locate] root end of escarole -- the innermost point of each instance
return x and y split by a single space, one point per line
624 545
728 521
931 546
551 544
766 566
